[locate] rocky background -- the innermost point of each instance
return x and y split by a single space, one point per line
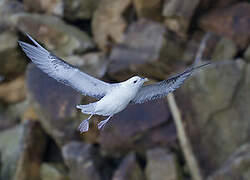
114 40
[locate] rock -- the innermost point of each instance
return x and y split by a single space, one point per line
215 112
51 171
61 38
21 150
108 24
148 9
12 62
143 50
178 14
13 91
225 49
207 4
247 54
45 6
137 128
161 165
55 104
32 149
78 9
128 169
236 167
79 159
235 20
8 8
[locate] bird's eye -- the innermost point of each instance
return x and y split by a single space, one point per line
135 81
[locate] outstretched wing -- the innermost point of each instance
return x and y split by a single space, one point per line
63 72
161 89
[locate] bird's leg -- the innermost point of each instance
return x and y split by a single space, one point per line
84 126
103 123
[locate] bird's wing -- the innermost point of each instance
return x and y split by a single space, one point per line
162 88
63 72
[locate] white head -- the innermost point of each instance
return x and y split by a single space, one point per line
135 82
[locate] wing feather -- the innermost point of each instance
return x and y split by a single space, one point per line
63 72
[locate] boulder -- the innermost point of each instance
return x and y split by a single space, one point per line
129 169
79 159
235 20
61 38
215 112
161 164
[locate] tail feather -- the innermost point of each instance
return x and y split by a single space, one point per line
87 109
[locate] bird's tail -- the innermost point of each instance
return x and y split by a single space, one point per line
87 108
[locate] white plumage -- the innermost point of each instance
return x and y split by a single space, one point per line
113 98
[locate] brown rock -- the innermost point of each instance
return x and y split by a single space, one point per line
128 169
108 24
144 49
161 165
55 105
236 167
79 159
235 20
149 9
33 147
178 14
215 112
45 6
13 91
62 38
78 9
138 127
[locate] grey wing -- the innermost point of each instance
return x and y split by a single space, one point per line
63 72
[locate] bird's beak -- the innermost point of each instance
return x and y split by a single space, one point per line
145 79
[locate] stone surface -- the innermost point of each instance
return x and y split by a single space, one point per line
235 20
63 39
45 6
55 104
12 62
108 24
128 169
161 164
32 150
225 49
178 14
215 112
79 159
236 167
138 127
150 9
51 171
247 54
78 9
13 91
21 150
145 48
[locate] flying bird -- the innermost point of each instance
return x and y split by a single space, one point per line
112 98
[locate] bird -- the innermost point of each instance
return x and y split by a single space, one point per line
112 98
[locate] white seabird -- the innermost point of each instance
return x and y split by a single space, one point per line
113 98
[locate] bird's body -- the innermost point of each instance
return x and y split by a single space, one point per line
113 98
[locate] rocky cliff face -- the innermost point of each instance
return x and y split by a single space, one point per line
114 40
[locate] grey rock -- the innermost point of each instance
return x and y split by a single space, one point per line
161 164
215 99
54 103
62 38
178 14
146 47
78 9
79 159
49 7
236 167
247 54
129 169
51 171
